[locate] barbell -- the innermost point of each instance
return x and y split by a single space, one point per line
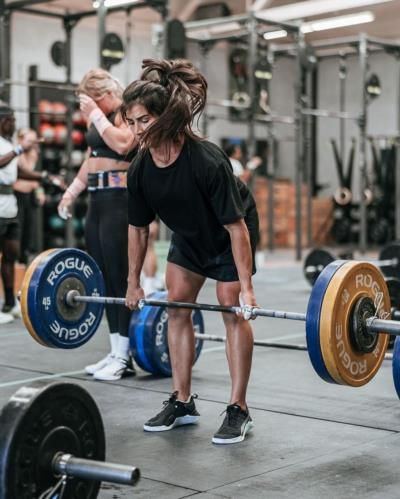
318 258
52 444
62 303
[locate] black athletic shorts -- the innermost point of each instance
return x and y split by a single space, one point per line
9 229
223 267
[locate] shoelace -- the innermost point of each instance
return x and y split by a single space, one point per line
174 398
232 413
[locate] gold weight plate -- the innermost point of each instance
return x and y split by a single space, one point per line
24 294
352 281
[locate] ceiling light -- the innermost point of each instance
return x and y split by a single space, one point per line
325 24
338 22
208 33
114 3
301 10
225 27
272 35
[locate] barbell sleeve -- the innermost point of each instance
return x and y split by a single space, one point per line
375 325
66 464
73 297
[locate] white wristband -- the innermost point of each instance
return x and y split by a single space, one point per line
99 120
18 150
75 188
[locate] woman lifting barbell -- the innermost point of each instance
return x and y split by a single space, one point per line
189 183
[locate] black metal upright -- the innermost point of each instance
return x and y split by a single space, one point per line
362 123
69 146
251 61
299 134
101 25
5 51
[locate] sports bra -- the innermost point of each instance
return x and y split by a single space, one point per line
99 149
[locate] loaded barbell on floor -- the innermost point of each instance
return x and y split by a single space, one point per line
318 258
62 303
52 444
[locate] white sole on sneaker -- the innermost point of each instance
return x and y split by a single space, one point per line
6 320
248 427
112 377
101 364
178 422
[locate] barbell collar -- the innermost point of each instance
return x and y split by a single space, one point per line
70 466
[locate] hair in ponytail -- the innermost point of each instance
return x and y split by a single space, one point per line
174 91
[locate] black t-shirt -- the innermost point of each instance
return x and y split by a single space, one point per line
195 196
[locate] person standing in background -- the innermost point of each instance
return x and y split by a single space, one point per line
112 147
10 170
29 193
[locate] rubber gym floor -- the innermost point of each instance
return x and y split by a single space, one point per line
311 439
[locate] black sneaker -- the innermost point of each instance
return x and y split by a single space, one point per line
236 424
175 413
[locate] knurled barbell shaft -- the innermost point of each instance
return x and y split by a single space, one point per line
66 464
73 296
277 314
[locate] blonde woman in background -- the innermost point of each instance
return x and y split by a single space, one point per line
112 147
29 193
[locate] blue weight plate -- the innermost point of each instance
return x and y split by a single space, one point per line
137 335
149 337
58 328
396 365
313 319
157 339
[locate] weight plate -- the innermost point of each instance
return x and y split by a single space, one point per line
148 334
391 252
396 365
352 281
313 320
39 421
315 262
24 295
42 298
393 286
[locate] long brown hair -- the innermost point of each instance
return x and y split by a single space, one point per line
172 90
